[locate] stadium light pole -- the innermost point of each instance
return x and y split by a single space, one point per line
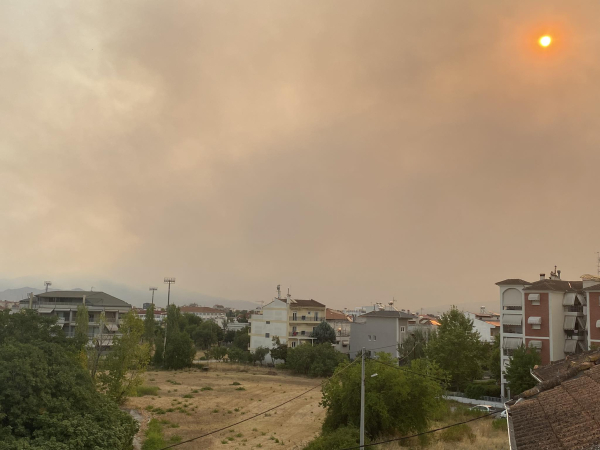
47 283
153 289
169 281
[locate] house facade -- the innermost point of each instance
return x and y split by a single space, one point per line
64 304
340 323
379 331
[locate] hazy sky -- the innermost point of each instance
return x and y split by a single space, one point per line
355 151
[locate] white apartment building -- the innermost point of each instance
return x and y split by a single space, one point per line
205 313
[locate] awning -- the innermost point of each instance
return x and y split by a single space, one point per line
512 319
534 297
535 344
509 301
534 321
45 310
597 323
570 345
569 299
569 323
112 327
582 299
581 323
345 343
512 343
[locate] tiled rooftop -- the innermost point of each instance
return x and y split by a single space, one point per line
564 417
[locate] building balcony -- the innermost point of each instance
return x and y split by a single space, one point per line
305 319
300 335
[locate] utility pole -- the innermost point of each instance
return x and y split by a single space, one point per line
169 281
362 402
153 289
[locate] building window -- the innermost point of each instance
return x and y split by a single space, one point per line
536 327
401 329
369 337
293 344
268 322
374 337
267 335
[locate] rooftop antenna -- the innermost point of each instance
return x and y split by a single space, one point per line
153 289
278 291
49 283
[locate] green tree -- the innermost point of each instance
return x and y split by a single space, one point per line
149 326
324 333
100 342
258 356
279 352
518 371
242 339
217 353
494 359
127 361
396 401
413 346
47 399
157 359
81 326
237 355
315 360
456 348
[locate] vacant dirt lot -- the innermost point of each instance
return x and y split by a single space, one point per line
287 427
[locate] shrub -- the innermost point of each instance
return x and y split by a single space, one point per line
235 383
341 438
240 389
479 390
458 433
206 388
500 424
317 361
154 436
146 390
188 396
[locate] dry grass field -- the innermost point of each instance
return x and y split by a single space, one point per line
288 427
191 411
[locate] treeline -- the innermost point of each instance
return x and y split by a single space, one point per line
58 393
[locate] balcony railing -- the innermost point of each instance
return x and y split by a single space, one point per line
516 329
304 319
298 334
576 309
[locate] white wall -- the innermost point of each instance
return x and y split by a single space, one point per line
276 313
484 328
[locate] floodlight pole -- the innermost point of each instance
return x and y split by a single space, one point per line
362 402
169 281
153 289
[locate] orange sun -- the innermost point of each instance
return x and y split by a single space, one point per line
545 41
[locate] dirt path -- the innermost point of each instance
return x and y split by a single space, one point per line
288 427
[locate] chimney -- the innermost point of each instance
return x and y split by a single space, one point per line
542 276
482 310
558 273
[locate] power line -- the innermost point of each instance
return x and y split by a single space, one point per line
420 434
260 413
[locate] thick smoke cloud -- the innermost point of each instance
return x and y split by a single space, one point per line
352 150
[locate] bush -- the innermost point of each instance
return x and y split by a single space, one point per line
146 390
341 438
154 436
500 424
317 361
206 388
458 433
479 390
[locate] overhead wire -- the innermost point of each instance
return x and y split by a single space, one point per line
419 434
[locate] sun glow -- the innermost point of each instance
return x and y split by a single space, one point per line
545 41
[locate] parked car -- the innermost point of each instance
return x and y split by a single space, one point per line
503 414
482 408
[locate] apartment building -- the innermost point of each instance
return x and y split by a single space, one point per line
159 313
205 313
291 320
340 322
64 304
379 331
554 316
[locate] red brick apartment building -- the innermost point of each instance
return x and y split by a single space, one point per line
554 316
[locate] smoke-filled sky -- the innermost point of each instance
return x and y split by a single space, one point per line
355 151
